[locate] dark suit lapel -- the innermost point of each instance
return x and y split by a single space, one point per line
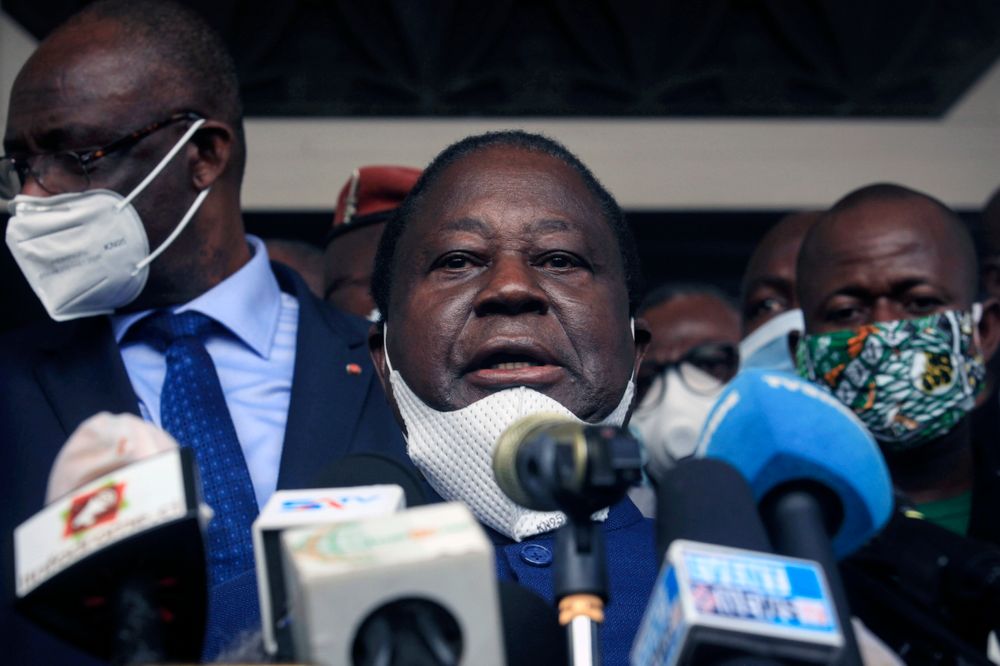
81 373
327 398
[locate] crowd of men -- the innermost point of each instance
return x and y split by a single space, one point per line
500 280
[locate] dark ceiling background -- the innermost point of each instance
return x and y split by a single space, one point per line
610 58
903 58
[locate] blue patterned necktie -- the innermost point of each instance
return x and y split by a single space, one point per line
193 409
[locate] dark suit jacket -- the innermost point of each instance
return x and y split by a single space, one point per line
54 376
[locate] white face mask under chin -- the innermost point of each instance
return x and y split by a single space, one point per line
86 253
454 450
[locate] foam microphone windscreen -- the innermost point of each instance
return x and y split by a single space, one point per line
777 429
101 444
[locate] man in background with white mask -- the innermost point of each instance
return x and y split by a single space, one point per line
506 284
123 157
887 283
769 303
691 356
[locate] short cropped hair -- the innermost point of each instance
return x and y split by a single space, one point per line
385 257
812 243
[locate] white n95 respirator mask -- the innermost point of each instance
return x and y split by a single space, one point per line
670 417
87 253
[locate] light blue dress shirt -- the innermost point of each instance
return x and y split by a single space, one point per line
255 362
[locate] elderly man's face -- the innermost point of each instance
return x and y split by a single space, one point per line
508 275
884 260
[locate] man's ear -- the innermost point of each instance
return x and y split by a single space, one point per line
989 328
212 150
793 344
642 338
989 275
376 347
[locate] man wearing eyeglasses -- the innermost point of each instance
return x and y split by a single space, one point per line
123 160
692 354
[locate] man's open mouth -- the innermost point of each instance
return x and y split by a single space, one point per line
506 363
509 362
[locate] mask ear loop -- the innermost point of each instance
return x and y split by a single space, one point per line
162 165
385 346
175 233
149 178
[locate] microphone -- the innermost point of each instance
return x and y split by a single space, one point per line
779 431
822 486
115 563
531 630
722 595
298 508
416 587
547 462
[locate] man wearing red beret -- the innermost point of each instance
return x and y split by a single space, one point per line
366 202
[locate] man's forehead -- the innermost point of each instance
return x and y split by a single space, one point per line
907 223
902 236
512 177
84 80
777 253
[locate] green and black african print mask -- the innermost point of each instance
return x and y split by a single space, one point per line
909 381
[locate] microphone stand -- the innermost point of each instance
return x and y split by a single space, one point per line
581 587
798 517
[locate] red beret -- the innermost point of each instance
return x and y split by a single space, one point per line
371 190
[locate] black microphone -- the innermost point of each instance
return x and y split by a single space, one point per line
116 564
821 482
547 462
531 632
709 501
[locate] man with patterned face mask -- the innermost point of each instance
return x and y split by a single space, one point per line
887 286
506 285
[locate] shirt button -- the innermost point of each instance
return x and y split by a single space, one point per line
536 555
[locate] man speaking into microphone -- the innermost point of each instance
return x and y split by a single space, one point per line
507 285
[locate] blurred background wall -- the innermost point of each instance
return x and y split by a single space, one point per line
707 120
